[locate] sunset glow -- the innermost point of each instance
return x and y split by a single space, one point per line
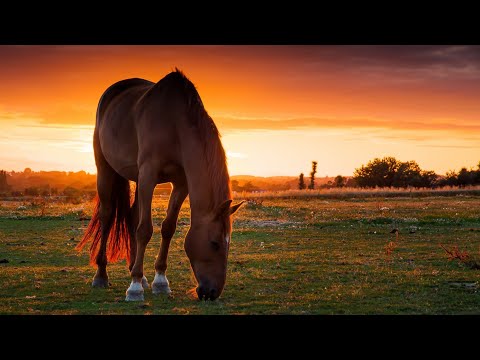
277 107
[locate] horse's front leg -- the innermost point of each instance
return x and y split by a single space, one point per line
146 184
160 284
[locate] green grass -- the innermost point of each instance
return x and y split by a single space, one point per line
306 255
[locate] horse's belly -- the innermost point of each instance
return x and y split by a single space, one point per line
120 152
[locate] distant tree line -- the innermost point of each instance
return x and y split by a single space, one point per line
463 178
30 183
4 187
247 187
390 172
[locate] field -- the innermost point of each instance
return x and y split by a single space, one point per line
289 255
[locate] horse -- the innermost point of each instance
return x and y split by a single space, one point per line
153 133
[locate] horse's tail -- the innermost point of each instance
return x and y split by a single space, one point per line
119 226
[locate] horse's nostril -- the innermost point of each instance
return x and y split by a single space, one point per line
206 293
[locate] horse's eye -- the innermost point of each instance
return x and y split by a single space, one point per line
215 245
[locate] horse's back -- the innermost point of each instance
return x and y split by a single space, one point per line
138 122
115 124
121 88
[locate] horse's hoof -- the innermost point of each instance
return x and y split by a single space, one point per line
134 297
161 289
100 282
160 285
145 283
135 292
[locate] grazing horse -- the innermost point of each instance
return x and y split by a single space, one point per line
153 133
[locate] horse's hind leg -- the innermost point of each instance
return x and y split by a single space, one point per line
146 184
105 178
160 284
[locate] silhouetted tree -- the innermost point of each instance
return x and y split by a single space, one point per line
450 178
351 182
465 177
429 179
378 172
312 175
339 181
389 172
248 186
476 179
27 171
235 186
301 182
4 187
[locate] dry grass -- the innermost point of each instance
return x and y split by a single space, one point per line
306 255
362 193
462 256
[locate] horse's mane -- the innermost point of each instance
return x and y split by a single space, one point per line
209 135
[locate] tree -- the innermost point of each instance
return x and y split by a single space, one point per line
4 187
351 182
389 172
27 171
408 174
378 172
476 179
235 186
339 181
451 178
312 175
301 182
248 186
429 179
465 177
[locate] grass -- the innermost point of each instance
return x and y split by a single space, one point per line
301 255
348 193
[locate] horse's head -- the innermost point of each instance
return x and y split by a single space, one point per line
206 244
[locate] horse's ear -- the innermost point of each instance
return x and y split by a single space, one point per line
223 208
234 208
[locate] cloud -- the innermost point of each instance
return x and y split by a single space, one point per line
236 155
448 146
233 123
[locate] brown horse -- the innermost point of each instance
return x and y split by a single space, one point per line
153 133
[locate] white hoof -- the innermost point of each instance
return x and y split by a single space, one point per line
160 285
145 283
135 292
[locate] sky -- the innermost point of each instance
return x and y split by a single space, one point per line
277 107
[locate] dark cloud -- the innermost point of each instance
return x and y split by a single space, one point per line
369 81
389 56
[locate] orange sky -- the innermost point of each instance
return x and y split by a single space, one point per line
277 107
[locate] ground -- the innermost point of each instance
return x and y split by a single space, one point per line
305 255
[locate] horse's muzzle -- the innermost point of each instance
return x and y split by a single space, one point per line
207 293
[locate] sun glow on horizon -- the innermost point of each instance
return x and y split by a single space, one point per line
277 108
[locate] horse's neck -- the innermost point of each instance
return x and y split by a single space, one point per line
199 184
